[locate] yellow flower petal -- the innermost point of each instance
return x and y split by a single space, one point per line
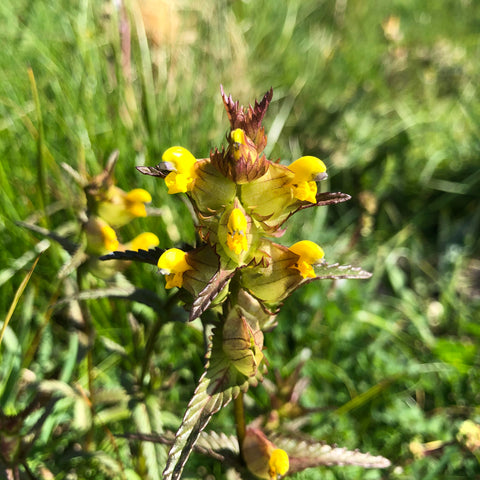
310 253
144 241
135 201
278 463
238 136
307 168
109 238
138 195
237 232
305 191
173 264
182 160
178 182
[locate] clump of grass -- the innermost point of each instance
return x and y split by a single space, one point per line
385 94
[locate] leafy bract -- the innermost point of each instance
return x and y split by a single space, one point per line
220 384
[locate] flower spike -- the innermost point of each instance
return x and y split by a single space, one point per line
240 200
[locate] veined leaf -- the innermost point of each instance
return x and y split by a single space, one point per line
208 294
220 384
159 170
309 453
337 271
66 244
150 256
127 292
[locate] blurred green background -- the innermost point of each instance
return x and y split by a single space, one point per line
386 93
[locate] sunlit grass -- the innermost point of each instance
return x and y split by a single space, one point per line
393 111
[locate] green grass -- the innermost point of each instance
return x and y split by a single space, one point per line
390 360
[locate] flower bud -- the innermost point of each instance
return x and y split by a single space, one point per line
243 342
241 162
235 233
272 279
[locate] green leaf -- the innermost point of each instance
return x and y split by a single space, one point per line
127 292
150 256
214 287
66 244
149 452
460 354
328 198
309 453
337 271
220 383
16 298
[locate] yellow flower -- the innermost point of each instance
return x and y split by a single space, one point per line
101 237
183 164
262 457
173 263
238 137
469 434
237 232
144 241
307 170
278 464
109 238
310 253
118 207
135 201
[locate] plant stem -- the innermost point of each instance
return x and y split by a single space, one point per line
90 332
239 420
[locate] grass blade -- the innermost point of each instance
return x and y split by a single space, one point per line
16 298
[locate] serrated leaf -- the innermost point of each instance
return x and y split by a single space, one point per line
77 258
150 452
337 271
150 256
205 297
212 444
309 453
140 295
218 445
67 244
220 384
328 198
157 171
